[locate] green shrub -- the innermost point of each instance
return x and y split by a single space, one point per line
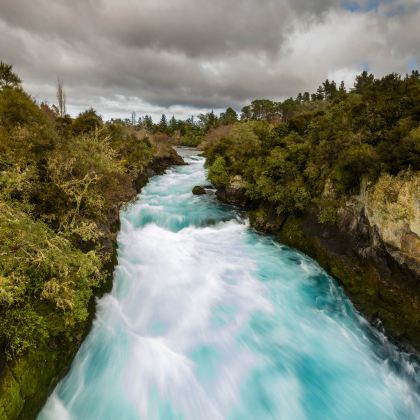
218 174
62 182
338 136
87 122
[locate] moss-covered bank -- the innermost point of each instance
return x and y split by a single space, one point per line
26 382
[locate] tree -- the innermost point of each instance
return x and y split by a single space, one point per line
229 116
8 79
87 122
363 82
163 124
287 108
342 92
329 89
173 124
320 94
218 174
415 74
148 122
61 97
17 108
246 113
263 109
208 121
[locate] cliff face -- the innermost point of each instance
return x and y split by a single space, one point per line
392 207
386 219
373 249
26 382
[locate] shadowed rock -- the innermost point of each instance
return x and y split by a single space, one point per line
197 190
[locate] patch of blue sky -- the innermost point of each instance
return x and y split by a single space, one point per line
363 6
412 65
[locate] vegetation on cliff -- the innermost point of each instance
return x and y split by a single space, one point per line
62 182
316 149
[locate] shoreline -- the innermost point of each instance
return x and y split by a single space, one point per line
384 292
27 382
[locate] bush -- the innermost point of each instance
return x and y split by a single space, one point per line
87 122
17 108
338 137
62 182
218 174
38 263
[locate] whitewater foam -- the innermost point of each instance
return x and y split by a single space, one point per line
209 320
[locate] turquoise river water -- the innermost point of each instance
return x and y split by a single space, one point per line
209 320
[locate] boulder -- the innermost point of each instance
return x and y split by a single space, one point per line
234 192
198 190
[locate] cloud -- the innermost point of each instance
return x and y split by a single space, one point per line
185 56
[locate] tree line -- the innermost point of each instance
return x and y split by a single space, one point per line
316 149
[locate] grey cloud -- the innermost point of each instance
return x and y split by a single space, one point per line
195 53
194 27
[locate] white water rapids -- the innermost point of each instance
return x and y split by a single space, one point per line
210 320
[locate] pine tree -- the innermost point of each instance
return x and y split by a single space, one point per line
163 124
148 122
363 82
173 125
8 79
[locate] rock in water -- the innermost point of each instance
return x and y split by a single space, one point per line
197 190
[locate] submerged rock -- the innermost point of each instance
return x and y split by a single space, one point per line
198 190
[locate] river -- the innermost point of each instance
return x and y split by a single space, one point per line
208 319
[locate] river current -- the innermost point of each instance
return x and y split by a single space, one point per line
208 319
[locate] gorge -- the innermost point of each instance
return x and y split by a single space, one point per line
209 319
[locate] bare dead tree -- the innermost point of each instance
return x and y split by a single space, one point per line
61 97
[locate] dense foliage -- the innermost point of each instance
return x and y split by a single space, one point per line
62 181
189 132
316 149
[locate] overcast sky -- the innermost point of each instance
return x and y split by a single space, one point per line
185 56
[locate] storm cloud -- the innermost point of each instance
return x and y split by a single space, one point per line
185 56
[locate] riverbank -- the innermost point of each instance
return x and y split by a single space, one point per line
383 288
210 320
26 382
339 179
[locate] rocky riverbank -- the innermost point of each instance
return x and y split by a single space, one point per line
26 382
373 248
